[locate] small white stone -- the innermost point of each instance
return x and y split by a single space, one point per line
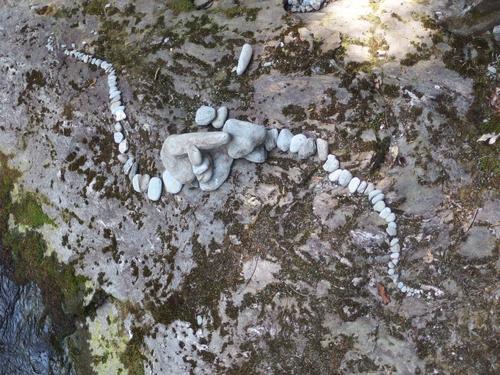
220 118
384 213
377 198
390 218
128 165
353 185
390 271
331 164
391 265
400 285
369 188
395 255
244 59
345 177
362 186
171 184
154 188
284 139
271 139
136 182
404 289
391 229
118 127
394 241
379 206
297 142
123 146
122 158
120 116
118 137
395 248
205 115
322 149
334 176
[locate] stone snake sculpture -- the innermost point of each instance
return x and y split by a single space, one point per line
206 157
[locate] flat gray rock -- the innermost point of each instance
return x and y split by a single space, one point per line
220 118
245 137
204 115
284 139
154 188
244 59
297 142
171 184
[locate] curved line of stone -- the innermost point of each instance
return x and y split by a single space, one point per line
304 6
331 165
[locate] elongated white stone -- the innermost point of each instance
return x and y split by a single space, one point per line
123 146
392 229
154 188
334 176
394 241
128 165
384 213
362 186
171 184
284 139
120 115
345 177
379 206
369 188
244 59
353 185
136 183
322 149
331 164
395 255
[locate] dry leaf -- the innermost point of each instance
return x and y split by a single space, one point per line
428 258
383 293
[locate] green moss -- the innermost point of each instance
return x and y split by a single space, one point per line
179 6
295 112
95 7
250 14
29 212
62 289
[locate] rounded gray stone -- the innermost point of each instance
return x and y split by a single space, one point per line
204 115
284 139
385 212
144 182
118 137
322 147
308 149
297 142
271 139
331 164
377 198
362 186
136 183
379 206
345 177
334 176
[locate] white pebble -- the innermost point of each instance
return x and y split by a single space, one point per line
353 185
390 218
244 59
345 177
334 176
123 146
362 186
154 188
384 213
136 182
395 255
221 117
395 248
118 137
373 193
394 241
369 188
331 164
171 184
322 149
118 127
377 198
379 206
297 142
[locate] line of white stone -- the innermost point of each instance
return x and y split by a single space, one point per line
285 141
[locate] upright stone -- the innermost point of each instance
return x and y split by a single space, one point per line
244 59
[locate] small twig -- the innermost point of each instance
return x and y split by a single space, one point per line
255 268
156 73
472 221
